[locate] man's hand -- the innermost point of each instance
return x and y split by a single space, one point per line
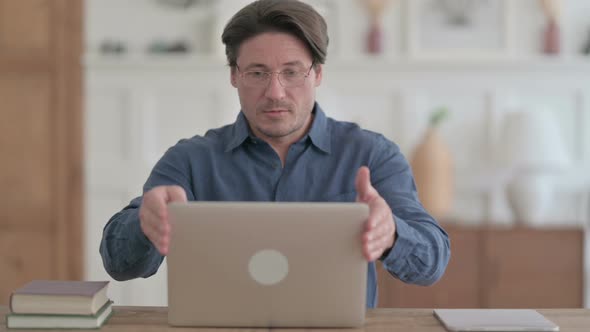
379 232
153 214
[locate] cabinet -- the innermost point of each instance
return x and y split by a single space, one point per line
500 268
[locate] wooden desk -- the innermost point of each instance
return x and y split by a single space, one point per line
139 319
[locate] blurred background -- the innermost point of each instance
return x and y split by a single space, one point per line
489 100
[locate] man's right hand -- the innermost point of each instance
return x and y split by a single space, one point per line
153 214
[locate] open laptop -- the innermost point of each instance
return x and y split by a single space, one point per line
494 320
266 264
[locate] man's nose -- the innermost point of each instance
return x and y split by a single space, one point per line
274 89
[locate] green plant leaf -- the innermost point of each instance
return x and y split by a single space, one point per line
438 115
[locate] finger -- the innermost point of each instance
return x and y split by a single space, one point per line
370 237
379 238
366 252
175 194
156 230
372 231
155 201
146 220
364 189
164 245
157 223
382 229
374 249
371 254
372 243
152 235
372 223
161 242
377 218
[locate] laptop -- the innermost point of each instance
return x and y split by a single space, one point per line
266 264
494 320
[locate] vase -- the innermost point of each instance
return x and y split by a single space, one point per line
375 38
432 165
551 38
530 195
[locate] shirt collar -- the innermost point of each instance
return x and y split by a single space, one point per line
319 132
239 133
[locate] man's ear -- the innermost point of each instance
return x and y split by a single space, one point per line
233 76
318 69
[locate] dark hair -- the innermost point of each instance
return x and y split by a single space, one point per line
289 16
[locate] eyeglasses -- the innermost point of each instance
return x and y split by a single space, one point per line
288 78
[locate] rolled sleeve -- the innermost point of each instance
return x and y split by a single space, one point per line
420 254
126 252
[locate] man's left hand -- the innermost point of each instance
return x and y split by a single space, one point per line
379 232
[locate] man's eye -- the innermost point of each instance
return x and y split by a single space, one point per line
290 73
257 74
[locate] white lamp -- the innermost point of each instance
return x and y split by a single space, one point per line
533 149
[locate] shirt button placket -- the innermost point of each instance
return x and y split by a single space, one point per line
280 181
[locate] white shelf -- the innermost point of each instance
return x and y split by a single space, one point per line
178 61
363 62
536 63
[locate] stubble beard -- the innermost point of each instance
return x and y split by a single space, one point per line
272 131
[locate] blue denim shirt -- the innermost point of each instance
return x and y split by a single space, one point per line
231 164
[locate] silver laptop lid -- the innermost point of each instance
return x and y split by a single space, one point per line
261 264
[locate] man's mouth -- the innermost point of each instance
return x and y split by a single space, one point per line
276 112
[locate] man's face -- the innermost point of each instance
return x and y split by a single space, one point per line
275 112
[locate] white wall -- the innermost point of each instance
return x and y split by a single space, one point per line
137 105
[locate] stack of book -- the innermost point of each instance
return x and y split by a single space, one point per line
59 304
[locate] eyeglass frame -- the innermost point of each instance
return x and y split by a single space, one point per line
270 73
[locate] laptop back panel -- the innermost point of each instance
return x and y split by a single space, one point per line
245 264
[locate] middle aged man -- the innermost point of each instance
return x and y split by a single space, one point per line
282 147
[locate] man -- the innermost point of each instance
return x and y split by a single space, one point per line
282 147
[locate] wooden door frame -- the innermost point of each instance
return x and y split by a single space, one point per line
67 99
46 59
